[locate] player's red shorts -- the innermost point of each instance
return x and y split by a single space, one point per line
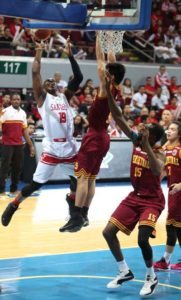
131 211
94 147
174 210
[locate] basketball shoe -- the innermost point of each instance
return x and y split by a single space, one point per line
176 267
74 224
8 213
161 265
149 286
71 205
118 280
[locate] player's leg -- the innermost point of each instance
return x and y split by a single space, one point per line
123 219
76 220
177 266
164 263
148 216
87 203
151 280
70 197
41 176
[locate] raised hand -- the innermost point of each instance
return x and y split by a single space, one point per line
39 46
68 47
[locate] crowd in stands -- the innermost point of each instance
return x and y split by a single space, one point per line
162 41
158 100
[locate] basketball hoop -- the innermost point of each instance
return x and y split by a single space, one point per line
111 41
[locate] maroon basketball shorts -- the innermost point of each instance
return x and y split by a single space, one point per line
174 210
129 213
92 151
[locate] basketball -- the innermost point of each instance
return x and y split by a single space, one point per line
42 34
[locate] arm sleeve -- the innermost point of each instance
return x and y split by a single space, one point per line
74 83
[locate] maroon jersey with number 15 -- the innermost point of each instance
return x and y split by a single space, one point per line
146 185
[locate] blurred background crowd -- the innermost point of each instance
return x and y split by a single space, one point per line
157 100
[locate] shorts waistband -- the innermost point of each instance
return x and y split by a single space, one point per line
59 140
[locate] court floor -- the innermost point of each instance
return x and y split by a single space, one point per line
39 262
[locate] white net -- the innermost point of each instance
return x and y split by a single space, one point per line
111 41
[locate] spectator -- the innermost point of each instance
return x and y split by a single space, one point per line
127 91
166 119
89 83
14 127
138 100
30 119
6 39
6 101
85 90
61 84
15 26
80 125
178 94
172 106
162 77
143 116
177 42
127 112
159 101
149 90
88 100
2 25
157 37
152 117
173 85
166 53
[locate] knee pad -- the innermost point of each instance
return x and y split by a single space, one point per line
30 188
73 184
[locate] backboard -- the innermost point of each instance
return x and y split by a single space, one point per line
81 14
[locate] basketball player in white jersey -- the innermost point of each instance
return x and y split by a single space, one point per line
59 146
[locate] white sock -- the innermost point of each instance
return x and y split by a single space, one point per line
122 265
167 256
150 271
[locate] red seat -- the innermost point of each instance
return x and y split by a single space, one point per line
5 52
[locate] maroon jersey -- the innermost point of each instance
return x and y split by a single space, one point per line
145 184
173 164
98 114
173 169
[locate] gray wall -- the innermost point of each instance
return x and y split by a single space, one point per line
136 72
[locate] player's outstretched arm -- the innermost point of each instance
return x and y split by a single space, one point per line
100 67
38 91
117 112
156 160
74 83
